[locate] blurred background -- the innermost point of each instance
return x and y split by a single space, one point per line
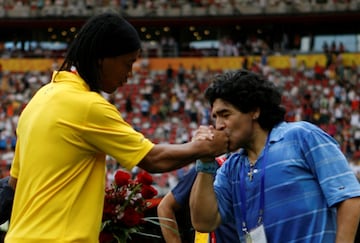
308 48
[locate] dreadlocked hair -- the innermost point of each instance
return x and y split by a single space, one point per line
104 35
83 53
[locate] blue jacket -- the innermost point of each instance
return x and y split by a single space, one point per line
6 200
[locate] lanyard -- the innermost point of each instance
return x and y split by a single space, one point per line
243 175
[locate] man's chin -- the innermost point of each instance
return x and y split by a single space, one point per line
233 149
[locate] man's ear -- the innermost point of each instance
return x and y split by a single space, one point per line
256 114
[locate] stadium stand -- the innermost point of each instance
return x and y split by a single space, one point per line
321 86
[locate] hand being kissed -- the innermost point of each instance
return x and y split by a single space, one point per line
218 138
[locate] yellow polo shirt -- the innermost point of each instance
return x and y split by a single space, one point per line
64 134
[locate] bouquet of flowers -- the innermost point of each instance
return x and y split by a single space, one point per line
126 201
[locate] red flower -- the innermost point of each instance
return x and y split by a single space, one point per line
144 178
106 237
131 217
125 205
109 210
122 177
148 191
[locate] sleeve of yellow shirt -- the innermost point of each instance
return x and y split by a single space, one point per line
201 237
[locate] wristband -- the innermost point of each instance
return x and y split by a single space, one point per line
209 168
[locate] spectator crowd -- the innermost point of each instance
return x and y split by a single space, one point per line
136 8
168 105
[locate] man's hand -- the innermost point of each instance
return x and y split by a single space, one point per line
218 138
203 133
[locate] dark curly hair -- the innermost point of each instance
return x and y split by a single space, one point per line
248 91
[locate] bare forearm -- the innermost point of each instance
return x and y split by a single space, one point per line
169 228
167 157
203 204
167 218
348 216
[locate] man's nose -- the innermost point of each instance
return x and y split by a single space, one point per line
219 125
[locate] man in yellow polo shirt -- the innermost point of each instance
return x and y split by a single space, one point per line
68 128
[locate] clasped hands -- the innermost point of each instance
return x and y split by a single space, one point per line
219 141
